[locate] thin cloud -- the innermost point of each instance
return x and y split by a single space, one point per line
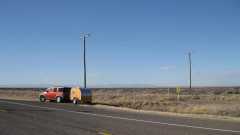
166 68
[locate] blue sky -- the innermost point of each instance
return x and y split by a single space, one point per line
137 42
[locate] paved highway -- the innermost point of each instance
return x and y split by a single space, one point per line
34 118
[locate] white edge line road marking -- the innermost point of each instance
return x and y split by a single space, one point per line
123 118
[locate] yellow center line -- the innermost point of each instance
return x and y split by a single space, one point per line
1 110
103 132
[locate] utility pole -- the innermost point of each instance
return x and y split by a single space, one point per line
190 69
84 36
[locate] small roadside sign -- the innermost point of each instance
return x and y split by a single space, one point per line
178 90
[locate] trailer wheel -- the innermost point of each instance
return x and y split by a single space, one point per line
75 101
42 99
59 99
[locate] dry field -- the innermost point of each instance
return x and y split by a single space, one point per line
19 93
213 101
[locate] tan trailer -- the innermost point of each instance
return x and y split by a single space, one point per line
81 95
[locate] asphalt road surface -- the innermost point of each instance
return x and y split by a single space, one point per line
34 118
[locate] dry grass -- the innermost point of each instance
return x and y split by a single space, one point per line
19 94
213 101
225 103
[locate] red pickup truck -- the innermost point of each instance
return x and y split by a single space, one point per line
59 94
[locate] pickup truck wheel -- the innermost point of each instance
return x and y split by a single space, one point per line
75 101
42 99
59 99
